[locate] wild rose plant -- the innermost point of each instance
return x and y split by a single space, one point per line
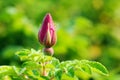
40 65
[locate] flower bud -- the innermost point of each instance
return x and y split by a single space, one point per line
47 33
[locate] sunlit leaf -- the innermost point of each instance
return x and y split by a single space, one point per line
23 54
31 65
6 70
86 68
97 66
70 71
58 74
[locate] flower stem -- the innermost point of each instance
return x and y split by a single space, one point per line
44 73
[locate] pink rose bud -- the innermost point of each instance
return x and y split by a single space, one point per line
47 33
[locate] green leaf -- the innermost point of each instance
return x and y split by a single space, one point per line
35 72
17 70
70 71
35 55
6 70
31 65
58 74
55 62
47 58
66 77
97 66
45 78
22 71
64 64
34 51
86 68
23 54
49 66
51 73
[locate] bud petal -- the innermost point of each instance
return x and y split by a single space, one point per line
47 33
47 39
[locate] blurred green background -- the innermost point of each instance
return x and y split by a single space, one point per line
86 29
